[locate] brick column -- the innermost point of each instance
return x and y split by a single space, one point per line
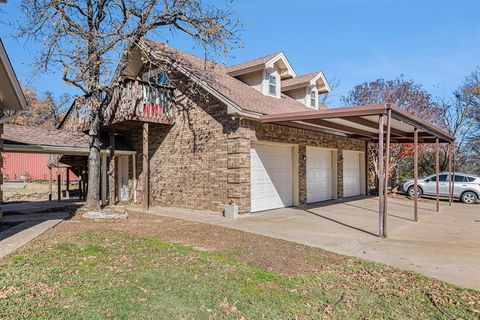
238 169
302 175
340 173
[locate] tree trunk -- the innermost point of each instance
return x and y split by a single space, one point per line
93 192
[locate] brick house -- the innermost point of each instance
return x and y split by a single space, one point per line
207 147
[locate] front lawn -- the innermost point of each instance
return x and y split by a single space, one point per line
138 269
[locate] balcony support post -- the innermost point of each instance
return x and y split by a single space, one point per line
112 169
146 169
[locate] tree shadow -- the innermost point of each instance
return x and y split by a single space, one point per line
25 218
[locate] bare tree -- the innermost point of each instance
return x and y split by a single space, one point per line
44 111
462 117
406 94
90 41
327 97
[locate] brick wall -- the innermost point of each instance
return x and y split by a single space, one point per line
203 160
256 131
189 160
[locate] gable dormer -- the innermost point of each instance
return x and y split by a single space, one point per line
264 74
307 88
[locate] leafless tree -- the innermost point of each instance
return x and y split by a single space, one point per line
90 40
326 98
463 119
406 94
43 111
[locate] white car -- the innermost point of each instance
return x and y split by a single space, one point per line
466 187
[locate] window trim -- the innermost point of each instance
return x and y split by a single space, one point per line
272 85
313 99
308 97
268 73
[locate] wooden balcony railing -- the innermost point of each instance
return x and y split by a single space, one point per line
132 100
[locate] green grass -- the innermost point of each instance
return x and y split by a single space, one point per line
113 275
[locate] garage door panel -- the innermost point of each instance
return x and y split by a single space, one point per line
271 177
319 174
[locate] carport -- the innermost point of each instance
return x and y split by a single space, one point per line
382 124
72 150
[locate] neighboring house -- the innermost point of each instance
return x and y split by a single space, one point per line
214 151
12 100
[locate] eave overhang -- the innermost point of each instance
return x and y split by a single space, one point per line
11 94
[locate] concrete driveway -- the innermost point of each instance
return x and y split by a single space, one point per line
443 245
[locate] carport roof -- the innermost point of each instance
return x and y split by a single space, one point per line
29 139
362 122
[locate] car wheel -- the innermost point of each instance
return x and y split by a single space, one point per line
469 197
410 192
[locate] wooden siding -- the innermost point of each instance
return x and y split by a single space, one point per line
32 165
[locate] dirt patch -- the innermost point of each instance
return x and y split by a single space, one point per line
267 253
29 192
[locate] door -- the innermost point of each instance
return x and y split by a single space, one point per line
122 179
319 174
429 187
351 174
271 177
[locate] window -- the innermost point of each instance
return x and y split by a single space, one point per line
156 76
272 84
162 78
470 179
313 98
152 93
460 178
442 178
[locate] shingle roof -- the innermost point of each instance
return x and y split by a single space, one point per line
43 136
251 63
304 79
216 76
28 135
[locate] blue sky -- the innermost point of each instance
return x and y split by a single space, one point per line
436 43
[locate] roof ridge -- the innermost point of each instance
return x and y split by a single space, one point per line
300 79
189 55
253 62
216 78
259 58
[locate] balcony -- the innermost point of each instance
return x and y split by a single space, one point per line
132 101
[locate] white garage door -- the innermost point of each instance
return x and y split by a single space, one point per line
271 177
319 174
351 173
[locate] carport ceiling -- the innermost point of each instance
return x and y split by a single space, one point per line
363 123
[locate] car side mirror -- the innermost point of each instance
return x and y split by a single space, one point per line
427 181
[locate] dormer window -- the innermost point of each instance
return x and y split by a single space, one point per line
313 99
272 84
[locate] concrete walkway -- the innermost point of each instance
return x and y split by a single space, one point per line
33 220
443 245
